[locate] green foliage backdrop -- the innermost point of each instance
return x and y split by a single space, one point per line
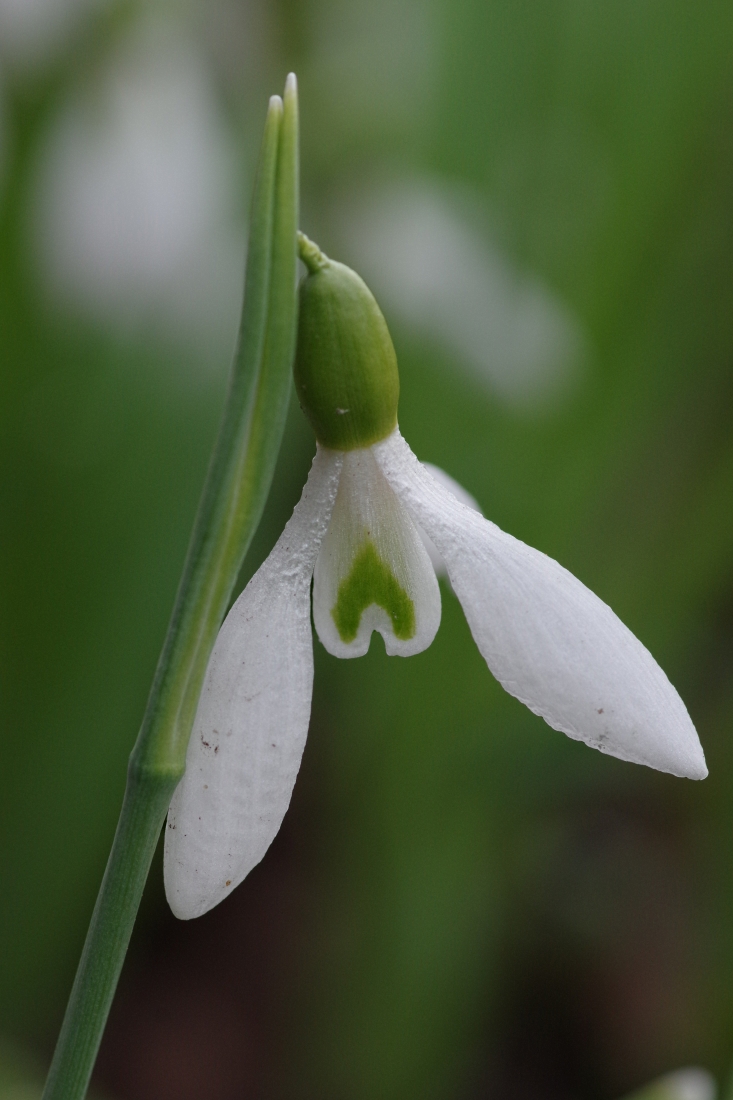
462 901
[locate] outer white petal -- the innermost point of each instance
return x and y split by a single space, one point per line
367 515
252 718
546 637
459 493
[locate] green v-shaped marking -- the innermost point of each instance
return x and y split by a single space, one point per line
372 581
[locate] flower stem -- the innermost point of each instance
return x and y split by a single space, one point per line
310 254
231 506
143 811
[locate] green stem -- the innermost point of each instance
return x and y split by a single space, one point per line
143 812
231 506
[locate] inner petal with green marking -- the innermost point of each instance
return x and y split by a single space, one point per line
373 572
371 581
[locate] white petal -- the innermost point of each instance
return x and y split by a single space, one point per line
459 493
547 639
373 549
252 718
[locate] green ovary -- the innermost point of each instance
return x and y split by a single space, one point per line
371 581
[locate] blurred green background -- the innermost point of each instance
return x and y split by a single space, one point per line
461 902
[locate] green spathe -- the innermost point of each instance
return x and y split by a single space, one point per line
345 364
372 581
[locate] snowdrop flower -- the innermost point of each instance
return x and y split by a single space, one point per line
357 532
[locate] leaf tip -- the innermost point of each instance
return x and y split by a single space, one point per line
291 85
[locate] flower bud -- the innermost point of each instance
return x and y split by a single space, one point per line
345 365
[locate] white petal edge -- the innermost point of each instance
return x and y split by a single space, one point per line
252 719
459 493
546 637
367 512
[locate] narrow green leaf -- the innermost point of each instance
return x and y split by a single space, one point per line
231 506
226 518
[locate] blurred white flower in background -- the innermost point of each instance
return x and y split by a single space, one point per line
3 130
435 270
382 58
691 1083
137 218
31 31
